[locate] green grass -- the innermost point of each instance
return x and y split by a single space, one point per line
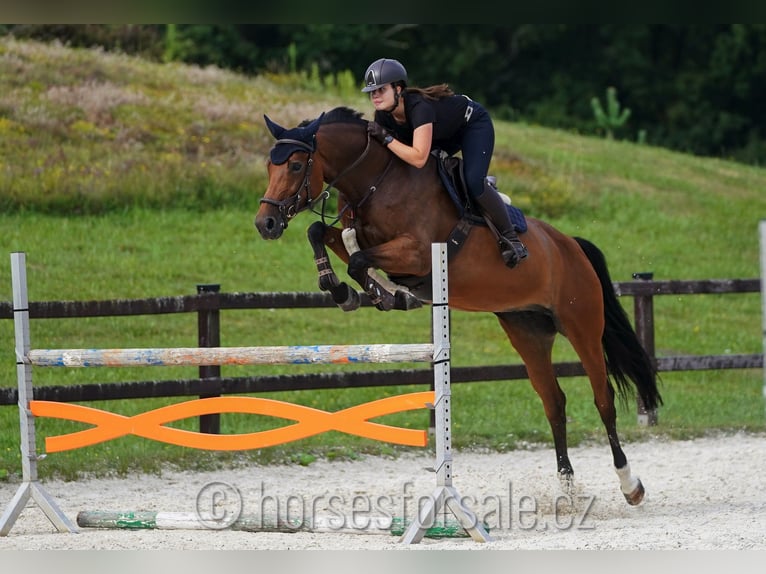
160 229
83 131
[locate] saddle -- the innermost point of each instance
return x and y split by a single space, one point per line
453 178
451 173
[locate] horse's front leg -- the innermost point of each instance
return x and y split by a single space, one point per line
384 293
320 235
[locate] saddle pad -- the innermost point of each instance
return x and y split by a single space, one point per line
517 218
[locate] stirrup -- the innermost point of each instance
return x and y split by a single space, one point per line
513 251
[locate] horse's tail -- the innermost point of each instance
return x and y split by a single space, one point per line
625 357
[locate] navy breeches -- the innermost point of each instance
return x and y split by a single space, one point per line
478 144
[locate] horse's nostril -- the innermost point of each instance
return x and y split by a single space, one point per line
265 223
269 227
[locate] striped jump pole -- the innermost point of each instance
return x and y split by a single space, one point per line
205 356
151 425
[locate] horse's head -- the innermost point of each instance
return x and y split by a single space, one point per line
297 168
294 183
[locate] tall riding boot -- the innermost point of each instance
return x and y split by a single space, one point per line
512 249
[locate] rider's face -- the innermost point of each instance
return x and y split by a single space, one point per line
383 97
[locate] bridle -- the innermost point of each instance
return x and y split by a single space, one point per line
291 206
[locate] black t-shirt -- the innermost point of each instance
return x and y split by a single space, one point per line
447 115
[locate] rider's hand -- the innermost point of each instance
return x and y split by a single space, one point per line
379 133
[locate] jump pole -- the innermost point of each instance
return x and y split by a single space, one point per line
333 524
206 356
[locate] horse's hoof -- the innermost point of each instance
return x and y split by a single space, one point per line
406 301
382 299
635 497
346 298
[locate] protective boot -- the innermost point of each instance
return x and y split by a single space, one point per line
512 249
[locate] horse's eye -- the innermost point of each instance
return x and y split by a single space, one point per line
295 166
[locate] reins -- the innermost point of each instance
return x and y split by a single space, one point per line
326 191
374 186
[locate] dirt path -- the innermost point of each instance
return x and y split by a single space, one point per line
701 494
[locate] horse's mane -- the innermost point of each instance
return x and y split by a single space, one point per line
340 114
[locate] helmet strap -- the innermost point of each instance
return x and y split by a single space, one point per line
397 95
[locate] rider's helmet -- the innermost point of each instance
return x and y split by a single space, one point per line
382 72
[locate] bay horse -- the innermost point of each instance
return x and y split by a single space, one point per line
392 212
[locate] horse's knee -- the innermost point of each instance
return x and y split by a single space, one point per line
316 233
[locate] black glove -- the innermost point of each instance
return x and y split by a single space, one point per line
378 132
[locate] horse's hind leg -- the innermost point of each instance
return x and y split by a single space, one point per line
585 338
532 335
320 235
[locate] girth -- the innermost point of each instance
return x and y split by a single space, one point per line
421 286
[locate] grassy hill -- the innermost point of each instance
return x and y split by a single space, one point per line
83 131
122 178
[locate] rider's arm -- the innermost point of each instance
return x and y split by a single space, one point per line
417 154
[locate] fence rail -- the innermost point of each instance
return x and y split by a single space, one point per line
209 301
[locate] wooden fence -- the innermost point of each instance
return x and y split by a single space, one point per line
209 301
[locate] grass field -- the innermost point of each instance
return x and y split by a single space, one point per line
142 232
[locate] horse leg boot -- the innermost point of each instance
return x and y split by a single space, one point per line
512 249
343 296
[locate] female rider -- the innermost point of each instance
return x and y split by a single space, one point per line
412 121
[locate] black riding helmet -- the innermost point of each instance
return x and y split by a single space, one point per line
382 72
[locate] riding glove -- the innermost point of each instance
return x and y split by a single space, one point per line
379 133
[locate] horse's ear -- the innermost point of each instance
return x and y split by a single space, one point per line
275 129
313 127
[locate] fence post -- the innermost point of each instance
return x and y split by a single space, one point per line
209 335
762 235
643 310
